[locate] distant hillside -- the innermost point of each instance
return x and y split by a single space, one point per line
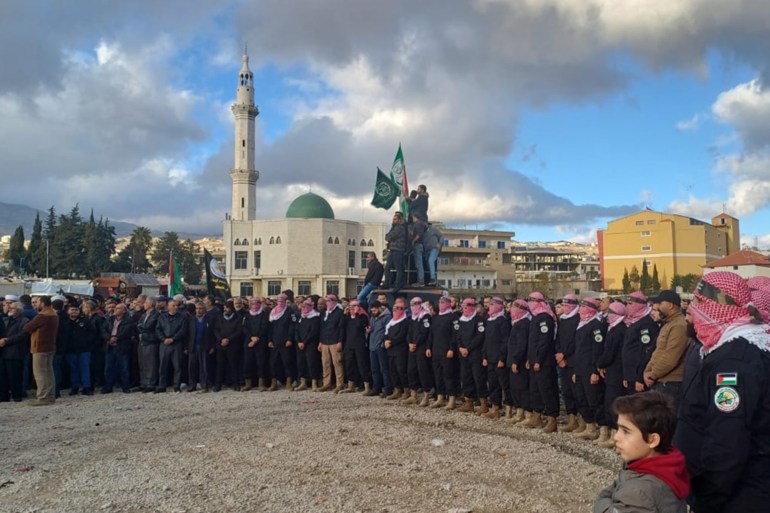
12 216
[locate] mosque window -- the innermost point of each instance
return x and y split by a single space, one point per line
278 240
363 242
257 242
330 241
371 243
243 202
272 240
237 242
241 259
336 240
245 242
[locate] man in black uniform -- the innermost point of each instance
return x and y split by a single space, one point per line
442 350
516 360
639 341
470 339
497 327
724 414
541 362
256 354
355 354
171 330
611 370
418 363
228 335
281 340
565 350
308 358
589 339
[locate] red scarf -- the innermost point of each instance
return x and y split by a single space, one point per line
669 468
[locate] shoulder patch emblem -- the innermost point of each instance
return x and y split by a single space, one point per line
645 339
543 328
598 337
293 318
457 325
727 399
426 323
481 328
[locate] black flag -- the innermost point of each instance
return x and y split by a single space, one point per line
215 278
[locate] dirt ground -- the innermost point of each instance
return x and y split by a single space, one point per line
284 452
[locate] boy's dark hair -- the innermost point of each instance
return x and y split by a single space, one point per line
651 412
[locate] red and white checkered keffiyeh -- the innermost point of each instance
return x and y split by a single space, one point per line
519 310
759 283
568 304
761 300
722 300
537 305
589 308
636 307
615 314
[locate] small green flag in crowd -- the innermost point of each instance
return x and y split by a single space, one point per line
385 191
174 277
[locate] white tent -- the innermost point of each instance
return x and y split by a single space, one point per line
51 288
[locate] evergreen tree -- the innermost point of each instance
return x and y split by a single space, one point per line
676 281
36 250
189 262
626 282
644 280
655 284
634 277
163 247
49 235
16 253
689 282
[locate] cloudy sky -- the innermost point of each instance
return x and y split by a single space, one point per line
547 117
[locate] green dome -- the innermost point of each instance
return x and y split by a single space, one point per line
310 206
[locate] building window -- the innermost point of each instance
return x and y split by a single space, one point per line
443 261
646 234
243 143
351 259
330 241
370 243
461 283
506 283
364 262
258 259
651 221
243 202
639 223
245 242
247 289
273 288
445 243
486 283
257 242
278 240
501 244
272 240
241 259
465 244
237 242
336 240
303 288
646 248
363 242
482 244
333 287
359 286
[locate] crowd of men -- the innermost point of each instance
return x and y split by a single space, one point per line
516 360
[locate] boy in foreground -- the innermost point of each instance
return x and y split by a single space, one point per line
654 477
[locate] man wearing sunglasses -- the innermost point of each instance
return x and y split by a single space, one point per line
665 370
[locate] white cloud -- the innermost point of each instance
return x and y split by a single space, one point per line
747 108
691 124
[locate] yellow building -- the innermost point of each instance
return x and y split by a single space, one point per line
674 243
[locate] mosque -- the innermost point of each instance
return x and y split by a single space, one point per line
308 251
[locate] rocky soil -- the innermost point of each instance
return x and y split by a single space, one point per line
284 452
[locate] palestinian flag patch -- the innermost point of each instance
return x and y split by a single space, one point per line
727 378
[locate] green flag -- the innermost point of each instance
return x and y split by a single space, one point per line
174 278
398 175
385 191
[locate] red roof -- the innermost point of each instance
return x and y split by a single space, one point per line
744 257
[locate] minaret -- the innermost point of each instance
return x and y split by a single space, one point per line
244 174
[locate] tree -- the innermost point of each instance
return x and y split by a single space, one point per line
644 280
689 282
676 281
140 244
655 284
16 252
189 262
163 247
36 250
626 282
634 277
